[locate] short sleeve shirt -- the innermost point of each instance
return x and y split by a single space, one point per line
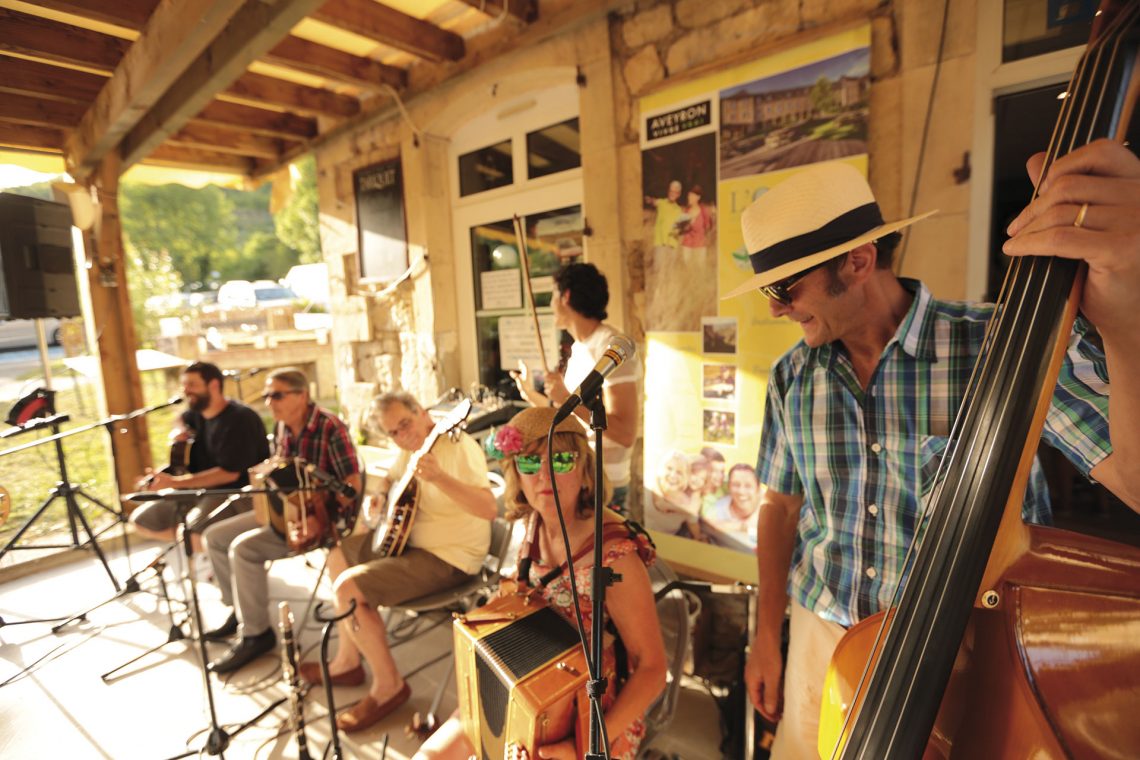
234 440
864 459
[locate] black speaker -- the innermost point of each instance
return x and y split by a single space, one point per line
37 263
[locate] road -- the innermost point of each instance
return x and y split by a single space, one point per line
20 363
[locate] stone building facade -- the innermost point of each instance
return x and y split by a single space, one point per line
416 334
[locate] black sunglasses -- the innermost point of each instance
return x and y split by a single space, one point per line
780 291
276 395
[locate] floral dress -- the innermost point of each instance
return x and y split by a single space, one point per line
619 540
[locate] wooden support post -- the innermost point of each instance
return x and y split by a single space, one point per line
115 329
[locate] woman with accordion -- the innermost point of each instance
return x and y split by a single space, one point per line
639 663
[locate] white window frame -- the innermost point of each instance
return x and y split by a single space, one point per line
993 79
524 196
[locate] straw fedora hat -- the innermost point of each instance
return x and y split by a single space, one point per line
816 214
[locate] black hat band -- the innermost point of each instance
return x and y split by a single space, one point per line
839 230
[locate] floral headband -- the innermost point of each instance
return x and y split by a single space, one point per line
525 428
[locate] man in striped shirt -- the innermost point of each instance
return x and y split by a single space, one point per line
858 412
240 548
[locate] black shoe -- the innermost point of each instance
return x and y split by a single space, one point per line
245 651
225 631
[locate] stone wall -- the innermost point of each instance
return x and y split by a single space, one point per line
407 336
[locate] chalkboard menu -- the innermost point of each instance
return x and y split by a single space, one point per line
380 224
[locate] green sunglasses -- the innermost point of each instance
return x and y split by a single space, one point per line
530 464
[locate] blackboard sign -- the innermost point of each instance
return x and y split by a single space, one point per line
380 224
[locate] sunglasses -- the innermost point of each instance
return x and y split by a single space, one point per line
780 292
276 395
563 462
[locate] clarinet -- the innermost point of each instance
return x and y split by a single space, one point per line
293 681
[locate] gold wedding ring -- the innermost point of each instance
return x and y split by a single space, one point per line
1080 220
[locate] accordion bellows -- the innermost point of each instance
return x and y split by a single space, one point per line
520 672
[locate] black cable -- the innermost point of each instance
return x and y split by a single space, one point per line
925 130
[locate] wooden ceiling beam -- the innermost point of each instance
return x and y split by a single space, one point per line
312 101
210 137
390 27
21 136
319 60
205 160
523 10
25 109
293 52
51 41
43 80
169 43
129 14
252 31
258 121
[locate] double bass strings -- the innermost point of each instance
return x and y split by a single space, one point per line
1020 278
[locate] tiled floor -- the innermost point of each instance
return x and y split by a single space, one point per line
54 704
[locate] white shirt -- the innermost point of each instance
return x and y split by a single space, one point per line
441 526
584 354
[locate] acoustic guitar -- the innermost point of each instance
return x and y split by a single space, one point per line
394 527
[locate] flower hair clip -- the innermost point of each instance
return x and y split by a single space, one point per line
508 441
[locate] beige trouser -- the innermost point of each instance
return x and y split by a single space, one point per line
811 642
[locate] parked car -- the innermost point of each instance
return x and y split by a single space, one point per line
21 333
243 294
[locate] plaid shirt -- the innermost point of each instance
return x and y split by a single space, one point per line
863 458
324 442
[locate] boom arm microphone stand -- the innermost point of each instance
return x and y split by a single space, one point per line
600 579
218 739
65 488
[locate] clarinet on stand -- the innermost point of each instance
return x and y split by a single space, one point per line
293 681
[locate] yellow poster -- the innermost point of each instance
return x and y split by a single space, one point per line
710 147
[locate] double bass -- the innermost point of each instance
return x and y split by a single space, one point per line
1007 640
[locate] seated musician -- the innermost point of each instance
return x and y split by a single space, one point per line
240 548
449 539
629 602
228 437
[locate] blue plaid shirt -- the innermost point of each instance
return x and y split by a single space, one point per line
862 459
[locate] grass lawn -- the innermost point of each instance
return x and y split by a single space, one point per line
29 475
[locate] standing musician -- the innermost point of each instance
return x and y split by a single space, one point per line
629 603
580 298
886 365
228 439
239 547
449 539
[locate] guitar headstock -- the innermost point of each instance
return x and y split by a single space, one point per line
455 418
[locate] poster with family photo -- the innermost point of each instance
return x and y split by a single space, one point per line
679 228
699 496
817 112
718 335
718 382
719 426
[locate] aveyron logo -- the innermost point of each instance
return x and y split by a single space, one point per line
680 120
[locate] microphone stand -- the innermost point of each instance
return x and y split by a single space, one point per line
601 579
218 739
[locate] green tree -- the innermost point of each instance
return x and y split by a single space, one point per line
263 257
147 276
823 96
193 226
298 224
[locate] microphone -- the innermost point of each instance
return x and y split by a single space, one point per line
339 487
619 350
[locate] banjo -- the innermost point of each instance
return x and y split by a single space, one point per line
395 525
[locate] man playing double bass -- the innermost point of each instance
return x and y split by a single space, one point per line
449 538
229 438
857 413
240 548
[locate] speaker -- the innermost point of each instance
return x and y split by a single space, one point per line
37 262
